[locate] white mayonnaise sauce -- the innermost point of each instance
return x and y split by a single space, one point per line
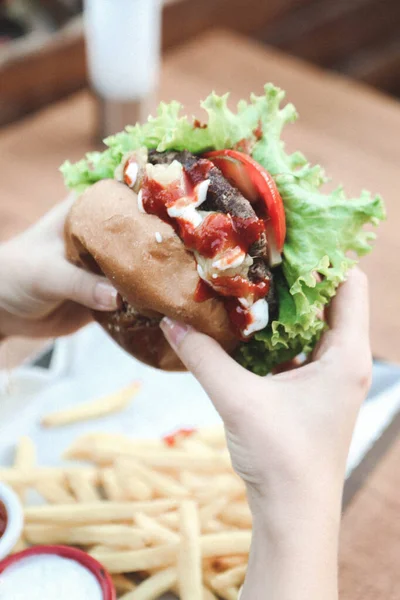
140 202
259 313
48 577
185 208
131 173
187 213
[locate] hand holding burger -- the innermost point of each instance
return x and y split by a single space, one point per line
289 436
41 293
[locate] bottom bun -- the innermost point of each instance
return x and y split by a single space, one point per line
149 266
141 337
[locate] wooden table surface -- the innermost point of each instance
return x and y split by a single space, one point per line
352 132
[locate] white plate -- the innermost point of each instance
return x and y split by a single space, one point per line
88 365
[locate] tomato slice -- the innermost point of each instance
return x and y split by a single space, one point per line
257 185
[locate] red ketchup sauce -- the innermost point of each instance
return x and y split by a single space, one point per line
199 125
204 292
246 145
216 234
173 439
238 315
3 518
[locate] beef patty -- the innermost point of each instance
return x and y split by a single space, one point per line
221 196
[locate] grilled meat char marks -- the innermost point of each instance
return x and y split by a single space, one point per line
221 195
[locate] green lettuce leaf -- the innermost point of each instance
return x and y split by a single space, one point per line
322 228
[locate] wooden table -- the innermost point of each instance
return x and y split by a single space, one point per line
353 132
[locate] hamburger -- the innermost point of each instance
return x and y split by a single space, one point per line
214 224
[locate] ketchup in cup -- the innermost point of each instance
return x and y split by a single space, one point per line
54 573
3 518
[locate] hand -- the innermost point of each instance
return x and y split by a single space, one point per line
289 436
41 293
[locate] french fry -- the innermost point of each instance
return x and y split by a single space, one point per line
178 459
227 486
214 526
135 485
225 593
163 459
54 492
237 514
162 484
208 594
135 488
212 436
155 530
154 587
94 409
218 544
87 535
82 488
123 584
105 452
82 446
191 444
231 578
170 519
96 449
99 548
119 438
29 477
96 512
210 511
131 561
25 458
220 564
110 484
225 543
190 561
192 481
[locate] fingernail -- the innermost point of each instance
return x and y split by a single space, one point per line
174 331
105 296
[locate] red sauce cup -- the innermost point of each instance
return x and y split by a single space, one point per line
79 556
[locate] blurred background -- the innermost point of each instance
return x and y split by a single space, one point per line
42 56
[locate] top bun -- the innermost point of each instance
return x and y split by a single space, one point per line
149 266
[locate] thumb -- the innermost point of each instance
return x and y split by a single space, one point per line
87 289
220 376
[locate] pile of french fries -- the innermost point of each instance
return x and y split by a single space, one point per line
164 515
